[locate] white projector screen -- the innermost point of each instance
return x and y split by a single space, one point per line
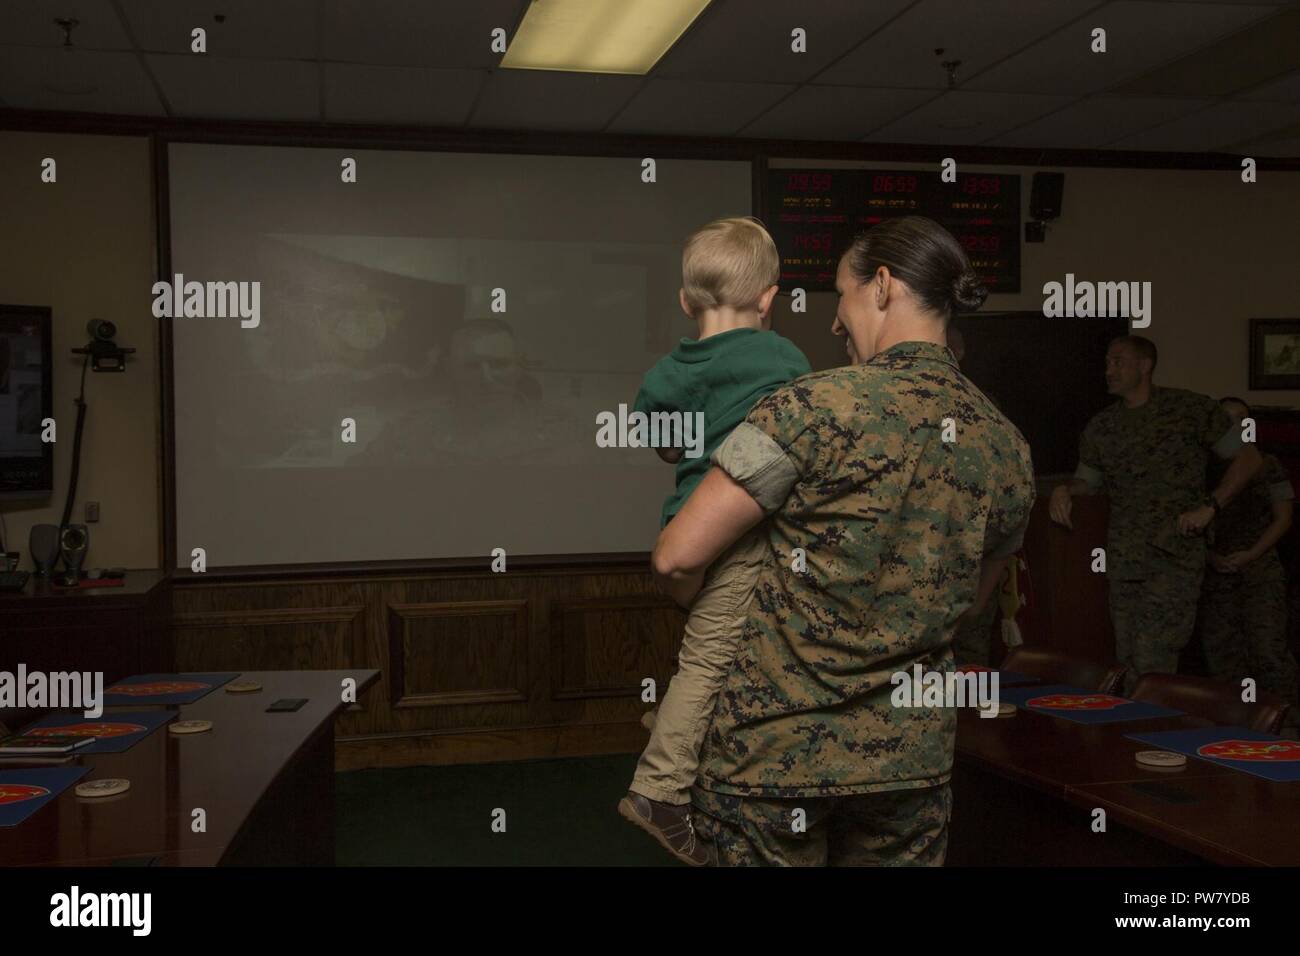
475 428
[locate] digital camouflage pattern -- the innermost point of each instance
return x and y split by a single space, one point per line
1153 620
1244 519
1243 615
894 522
1151 461
973 642
898 828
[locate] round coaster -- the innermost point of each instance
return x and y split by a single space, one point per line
243 687
106 787
1160 758
189 726
1006 710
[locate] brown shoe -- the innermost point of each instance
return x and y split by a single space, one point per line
670 825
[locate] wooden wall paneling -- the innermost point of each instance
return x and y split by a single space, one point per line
603 648
292 638
457 652
476 666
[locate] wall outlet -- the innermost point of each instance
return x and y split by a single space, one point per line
92 511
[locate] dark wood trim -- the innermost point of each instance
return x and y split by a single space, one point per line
633 561
602 144
166 413
345 614
488 745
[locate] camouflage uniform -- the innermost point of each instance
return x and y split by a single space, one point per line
894 523
1243 614
1151 462
973 643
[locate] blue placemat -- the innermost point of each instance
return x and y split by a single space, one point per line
23 792
113 733
1082 706
163 689
1250 751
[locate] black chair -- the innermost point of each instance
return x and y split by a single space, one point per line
1055 667
1213 700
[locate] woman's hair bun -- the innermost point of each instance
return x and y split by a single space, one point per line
968 292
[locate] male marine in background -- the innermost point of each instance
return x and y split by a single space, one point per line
1148 452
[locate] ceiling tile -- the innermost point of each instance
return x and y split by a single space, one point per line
399 95
218 87
31 23
1284 90
1089 123
285 29
842 113
448 35
546 99
903 53
966 117
1140 36
696 109
93 81
749 40
1215 128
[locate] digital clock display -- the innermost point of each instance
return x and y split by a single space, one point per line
813 214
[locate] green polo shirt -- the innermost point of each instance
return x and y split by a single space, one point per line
722 376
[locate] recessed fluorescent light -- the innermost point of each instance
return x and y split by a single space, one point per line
599 36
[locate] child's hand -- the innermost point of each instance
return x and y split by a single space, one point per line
670 455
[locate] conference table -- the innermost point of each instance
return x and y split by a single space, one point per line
1027 789
256 789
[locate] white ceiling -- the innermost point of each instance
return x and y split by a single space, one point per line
1188 75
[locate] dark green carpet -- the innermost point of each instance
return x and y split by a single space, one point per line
558 813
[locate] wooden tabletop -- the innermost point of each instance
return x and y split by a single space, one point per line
1232 818
224 771
1052 754
1216 812
41 593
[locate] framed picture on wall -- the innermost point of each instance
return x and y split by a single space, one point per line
1274 353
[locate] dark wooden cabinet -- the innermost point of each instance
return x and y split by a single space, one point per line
118 630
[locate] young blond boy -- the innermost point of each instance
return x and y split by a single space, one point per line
730 270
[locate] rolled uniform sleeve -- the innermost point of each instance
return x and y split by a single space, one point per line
1089 469
758 464
775 446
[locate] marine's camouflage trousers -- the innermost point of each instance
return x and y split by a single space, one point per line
893 828
1243 626
1154 619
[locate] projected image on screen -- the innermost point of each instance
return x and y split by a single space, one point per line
462 318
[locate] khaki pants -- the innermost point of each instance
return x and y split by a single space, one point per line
667 767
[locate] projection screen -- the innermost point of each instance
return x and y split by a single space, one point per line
422 353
